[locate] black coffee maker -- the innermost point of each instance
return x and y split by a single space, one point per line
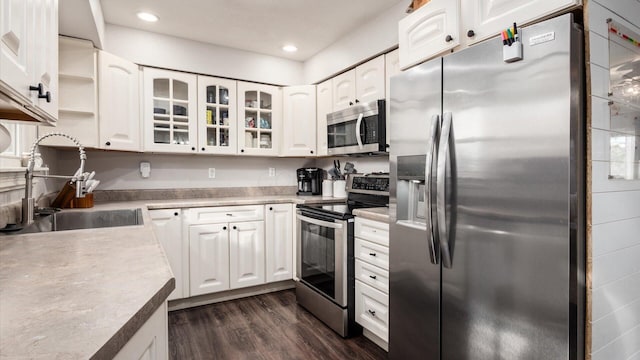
309 181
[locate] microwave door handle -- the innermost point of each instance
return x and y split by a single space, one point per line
432 149
446 244
358 134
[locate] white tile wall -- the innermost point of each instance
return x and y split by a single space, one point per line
615 210
616 265
616 324
614 206
615 236
622 348
613 296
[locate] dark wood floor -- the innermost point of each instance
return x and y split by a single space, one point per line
270 326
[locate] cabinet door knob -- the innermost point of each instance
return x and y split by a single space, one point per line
312 151
241 150
357 101
108 143
373 313
175 213
224 228
271 208
470 33
350 103
202 148
193 148
235 227
45 96
372 254
373 277
39 88
449 38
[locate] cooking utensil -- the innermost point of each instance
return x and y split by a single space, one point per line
93 186
349 168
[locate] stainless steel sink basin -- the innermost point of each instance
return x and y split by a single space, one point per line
74 220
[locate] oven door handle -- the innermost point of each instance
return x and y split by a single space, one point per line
333 225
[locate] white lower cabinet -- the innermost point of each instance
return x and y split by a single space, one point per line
208 258
246 254
372 310
372 278
232 247
279 242
150 342
167 226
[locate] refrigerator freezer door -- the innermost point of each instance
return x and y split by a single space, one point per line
414 294
507 293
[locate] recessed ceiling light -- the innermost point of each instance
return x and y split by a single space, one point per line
147 16
290 48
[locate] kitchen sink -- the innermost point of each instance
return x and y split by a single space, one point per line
74 220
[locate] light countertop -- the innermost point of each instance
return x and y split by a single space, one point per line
376 214
82 294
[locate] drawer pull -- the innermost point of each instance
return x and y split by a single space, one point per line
372 254
373 277
229 214
373 313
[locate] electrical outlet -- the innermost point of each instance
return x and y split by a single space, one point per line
272 172
212 173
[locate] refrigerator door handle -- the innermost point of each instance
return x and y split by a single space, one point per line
443 155
358 134
434 251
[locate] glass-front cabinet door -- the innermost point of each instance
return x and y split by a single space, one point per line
170 111
217 120
260 118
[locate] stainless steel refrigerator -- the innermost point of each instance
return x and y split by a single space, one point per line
487 219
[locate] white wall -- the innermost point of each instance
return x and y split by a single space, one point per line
376 36
362 164
120 170
82 19
146 48
615 212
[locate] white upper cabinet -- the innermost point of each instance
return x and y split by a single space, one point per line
344 90
45 55
324 106
365 83
29 58
119 99
170 111
485 18
217 118
259 119
299 121
430 30
441 25
370 80
392 67
14 51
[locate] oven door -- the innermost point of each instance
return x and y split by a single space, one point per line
322 255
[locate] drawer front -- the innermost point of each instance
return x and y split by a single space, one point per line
222 214
372 310
372 253
374 231
372 275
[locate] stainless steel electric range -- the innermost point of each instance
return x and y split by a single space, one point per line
325 255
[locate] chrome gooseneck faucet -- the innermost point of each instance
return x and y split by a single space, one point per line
28 202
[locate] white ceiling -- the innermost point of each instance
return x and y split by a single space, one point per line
261 26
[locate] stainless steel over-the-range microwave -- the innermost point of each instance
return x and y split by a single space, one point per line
359 129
